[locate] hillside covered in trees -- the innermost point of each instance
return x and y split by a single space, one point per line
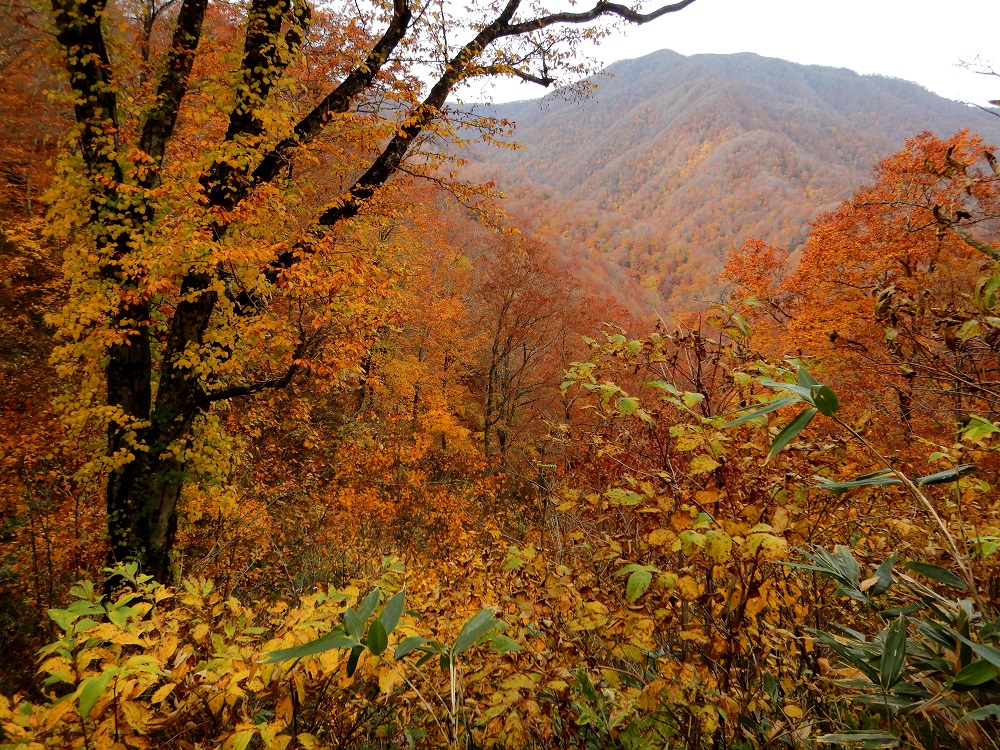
673 160
310 440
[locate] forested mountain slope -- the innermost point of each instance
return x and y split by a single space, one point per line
675 159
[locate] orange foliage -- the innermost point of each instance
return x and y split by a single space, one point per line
756 268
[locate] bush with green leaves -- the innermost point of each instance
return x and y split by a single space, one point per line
930 676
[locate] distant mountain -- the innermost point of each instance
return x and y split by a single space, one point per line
675 159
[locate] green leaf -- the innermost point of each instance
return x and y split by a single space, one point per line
791 431
412 643
638 583
367 608
393 611
949 475
63 618
990 654
91 689
352 660
627 406
878 739
804 394
883 576
937 573
982 713
663 385
846 564
805 379
826 400
83 607
771 406
878 701
501 644
976 673
353 624
690 399
623 497
876 478
377 639
978 428
852 654
632 567
336 638
241 739
909 609
839 565
474 629
893 654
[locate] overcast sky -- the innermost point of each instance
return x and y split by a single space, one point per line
918 40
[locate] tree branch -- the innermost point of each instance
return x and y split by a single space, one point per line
162 117
601 9
392 156
264 60
976 244
79 33
249 389
420 117
507 70
339 100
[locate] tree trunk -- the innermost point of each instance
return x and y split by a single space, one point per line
142 494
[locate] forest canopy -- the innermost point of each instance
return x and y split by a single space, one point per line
310 440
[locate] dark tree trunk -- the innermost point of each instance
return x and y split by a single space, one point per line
142 495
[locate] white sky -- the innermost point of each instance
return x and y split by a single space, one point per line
917 40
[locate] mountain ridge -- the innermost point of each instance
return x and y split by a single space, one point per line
676 158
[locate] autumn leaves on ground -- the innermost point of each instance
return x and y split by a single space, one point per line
307 443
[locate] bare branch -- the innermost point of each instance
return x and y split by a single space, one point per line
601 9
504 70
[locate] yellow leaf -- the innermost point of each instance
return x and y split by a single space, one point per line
718 545
780 520
660 537
167 647
240 739
388 677
793 712
162 692
695 636
667 581
134 715
649 698
518 681
56 713
284 710
707 497
595 616
702 463
688 588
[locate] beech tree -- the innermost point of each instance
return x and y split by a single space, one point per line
222 192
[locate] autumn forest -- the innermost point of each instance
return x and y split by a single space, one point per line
338 410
